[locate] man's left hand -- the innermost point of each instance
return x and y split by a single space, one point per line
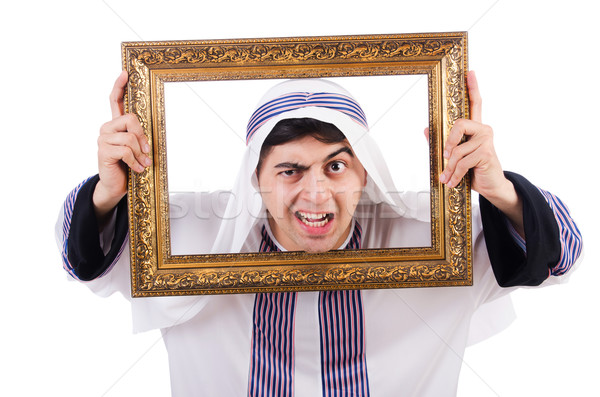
477 155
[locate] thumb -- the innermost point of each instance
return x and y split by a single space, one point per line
116 95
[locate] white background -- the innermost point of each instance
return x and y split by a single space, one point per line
537 65
206 127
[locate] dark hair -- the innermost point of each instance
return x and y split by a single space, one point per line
289 130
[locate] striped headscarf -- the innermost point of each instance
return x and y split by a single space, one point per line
297 100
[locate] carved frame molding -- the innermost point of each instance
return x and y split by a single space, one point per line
154 272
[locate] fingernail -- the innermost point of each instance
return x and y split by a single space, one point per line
443 178
446 154
147 162
146 148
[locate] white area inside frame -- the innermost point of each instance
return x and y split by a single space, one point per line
206 127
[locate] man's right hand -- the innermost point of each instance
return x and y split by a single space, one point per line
121 143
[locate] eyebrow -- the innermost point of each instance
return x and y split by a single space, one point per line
300 167
295 166
344 149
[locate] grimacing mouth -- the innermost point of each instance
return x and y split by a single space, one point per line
313 219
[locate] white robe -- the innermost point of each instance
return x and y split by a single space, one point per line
415 337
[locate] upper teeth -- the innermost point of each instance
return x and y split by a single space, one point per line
310 216
313 220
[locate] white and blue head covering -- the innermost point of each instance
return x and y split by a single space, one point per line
303 98
297 100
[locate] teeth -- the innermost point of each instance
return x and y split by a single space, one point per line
313 220
313 216
315 224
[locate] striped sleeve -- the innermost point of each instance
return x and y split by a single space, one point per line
552 242
570 236
82 253
66 227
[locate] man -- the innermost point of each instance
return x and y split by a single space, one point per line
322 186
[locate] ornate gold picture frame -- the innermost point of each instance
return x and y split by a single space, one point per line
440 58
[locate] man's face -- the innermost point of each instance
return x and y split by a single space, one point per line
311 190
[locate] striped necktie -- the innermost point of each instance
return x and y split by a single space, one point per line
342 341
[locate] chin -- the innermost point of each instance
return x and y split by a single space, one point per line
318 248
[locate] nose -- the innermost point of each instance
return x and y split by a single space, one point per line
316 187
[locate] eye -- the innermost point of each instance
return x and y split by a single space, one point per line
288 172
337 166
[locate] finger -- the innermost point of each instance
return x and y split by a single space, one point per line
125 154
110 156
116 95
127 123
460 128
474 97
426 133
107 142
462 167
461 151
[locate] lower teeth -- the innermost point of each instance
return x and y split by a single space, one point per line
314 224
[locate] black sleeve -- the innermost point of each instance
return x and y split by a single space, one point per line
511 266
84 251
